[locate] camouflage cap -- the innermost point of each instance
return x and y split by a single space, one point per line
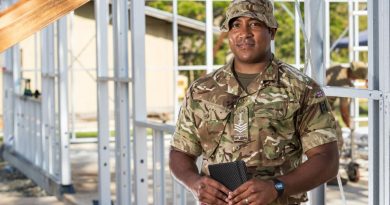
359 69
257 9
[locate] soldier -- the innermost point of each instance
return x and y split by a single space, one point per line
257 109
343 77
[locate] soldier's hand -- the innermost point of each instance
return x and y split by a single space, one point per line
253 192
209 191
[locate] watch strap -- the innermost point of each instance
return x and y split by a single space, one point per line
279 186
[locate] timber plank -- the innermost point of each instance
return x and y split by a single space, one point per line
26 17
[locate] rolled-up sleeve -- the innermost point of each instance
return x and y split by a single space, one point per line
186 138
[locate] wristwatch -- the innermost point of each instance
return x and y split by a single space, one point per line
279 186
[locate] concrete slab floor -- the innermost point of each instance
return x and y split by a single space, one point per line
84 176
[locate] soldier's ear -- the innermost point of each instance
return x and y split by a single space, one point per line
272 32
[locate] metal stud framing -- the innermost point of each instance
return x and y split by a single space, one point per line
7 90
379 138
17 131
121 70
36 132
48 120
64 168
139 100
102 21
209 36
314 25
374 105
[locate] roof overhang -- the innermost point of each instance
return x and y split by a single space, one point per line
181 20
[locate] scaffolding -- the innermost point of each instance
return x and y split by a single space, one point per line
36 132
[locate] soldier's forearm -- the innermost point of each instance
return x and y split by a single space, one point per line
184 168
321 166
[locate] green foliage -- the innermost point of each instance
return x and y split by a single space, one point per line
192 9
162 5
192 50
338 23
220 7
285 37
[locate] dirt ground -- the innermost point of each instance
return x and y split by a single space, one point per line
14 183
16 189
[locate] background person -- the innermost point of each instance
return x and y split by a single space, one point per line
257 109
342 76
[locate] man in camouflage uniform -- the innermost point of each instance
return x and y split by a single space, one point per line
259 110
341 76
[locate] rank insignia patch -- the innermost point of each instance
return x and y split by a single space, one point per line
241 125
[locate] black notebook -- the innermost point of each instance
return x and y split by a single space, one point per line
230 174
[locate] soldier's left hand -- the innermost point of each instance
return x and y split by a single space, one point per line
253 192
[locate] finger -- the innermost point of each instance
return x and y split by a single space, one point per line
241 189
217 185
250 190
213 191
244 201
208 198
243 197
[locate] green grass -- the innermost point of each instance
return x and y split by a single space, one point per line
94 134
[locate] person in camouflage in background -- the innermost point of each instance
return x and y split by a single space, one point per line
341 76
257 109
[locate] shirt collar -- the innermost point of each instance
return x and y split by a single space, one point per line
224 77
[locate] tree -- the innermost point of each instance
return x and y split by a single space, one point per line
192 50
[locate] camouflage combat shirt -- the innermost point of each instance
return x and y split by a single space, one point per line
338 76
283 114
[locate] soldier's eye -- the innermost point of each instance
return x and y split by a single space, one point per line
255 24
235 25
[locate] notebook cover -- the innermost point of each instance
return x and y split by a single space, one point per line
230 174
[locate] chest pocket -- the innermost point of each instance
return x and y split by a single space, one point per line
274 122
212 127
272 110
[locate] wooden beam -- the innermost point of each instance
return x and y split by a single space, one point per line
26 17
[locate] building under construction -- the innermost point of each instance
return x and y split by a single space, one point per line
116 61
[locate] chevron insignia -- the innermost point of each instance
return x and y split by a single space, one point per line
240 125
240 128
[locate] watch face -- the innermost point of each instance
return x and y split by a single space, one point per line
279 186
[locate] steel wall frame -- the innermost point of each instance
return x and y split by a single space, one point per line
36 140
64 168
8 93
317 56
374 106
138 24
48 111
379 61
102 21
315 29
378 94
121 71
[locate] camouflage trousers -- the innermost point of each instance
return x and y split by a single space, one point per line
339 135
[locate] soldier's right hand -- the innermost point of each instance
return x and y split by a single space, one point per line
209 191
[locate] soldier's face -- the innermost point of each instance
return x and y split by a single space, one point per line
250 39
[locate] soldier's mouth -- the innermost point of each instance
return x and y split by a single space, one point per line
245 45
